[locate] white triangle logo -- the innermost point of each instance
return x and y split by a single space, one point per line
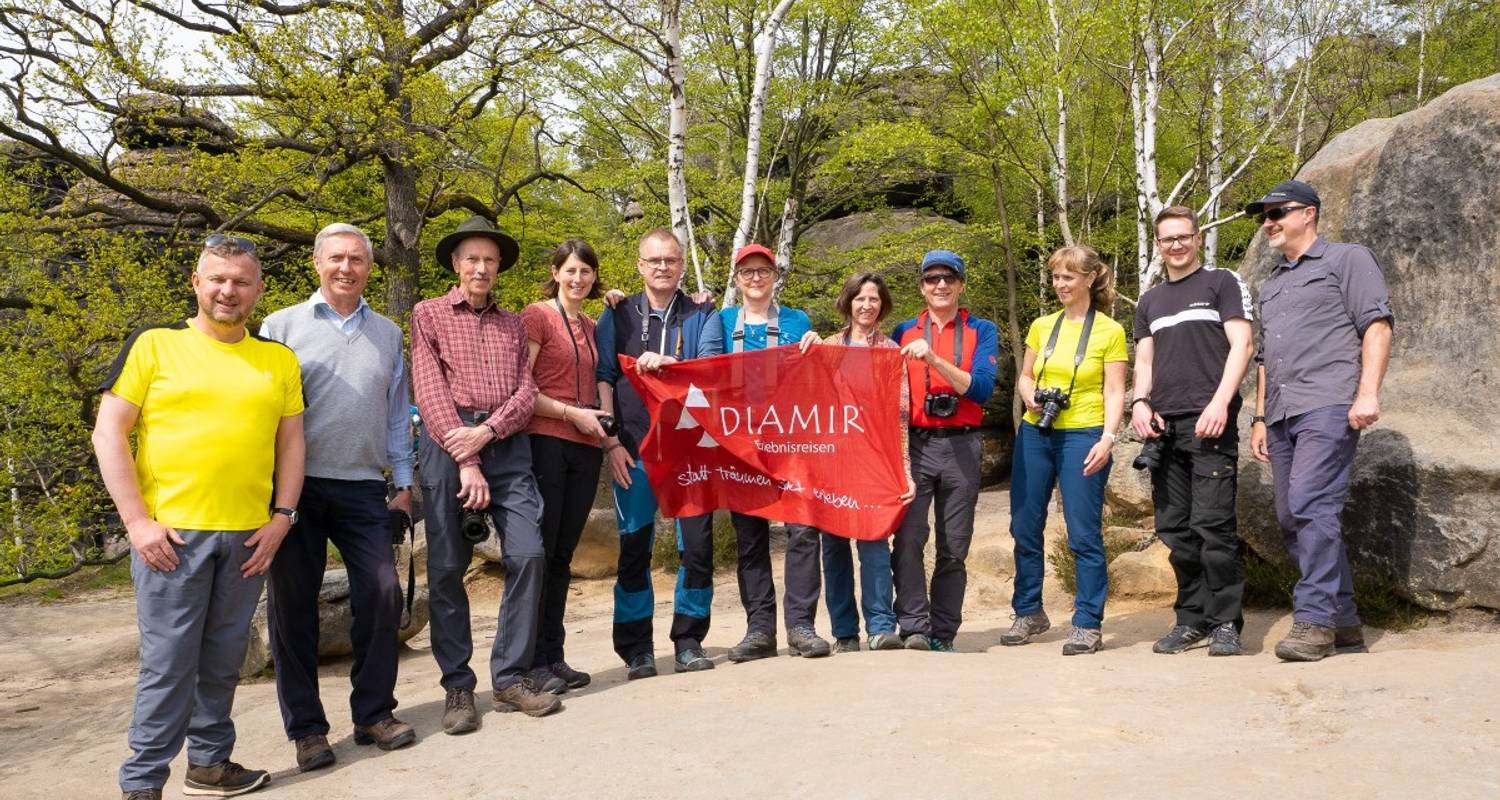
707 441
695 398
686 421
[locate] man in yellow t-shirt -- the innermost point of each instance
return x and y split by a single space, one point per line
218 418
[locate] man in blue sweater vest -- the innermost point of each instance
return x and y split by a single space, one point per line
357 426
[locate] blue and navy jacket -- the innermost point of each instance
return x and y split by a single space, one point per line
979 357
692 330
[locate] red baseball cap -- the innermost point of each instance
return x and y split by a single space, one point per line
753 250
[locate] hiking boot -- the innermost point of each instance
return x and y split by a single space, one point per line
140 794
459 715
1082 640
1350 639
937 645
755 645
917 641
640 666
224 779
885 641
527 697
848 644
693 659
387 734
313 752
804 641
546 680
1025 627
1224 640
572 678
1180 639
1306 642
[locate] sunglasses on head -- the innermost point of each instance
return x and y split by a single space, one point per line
1279 213
941 277
216 240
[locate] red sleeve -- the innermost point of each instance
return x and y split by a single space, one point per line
538 327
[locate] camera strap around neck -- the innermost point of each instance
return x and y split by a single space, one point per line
577 354
958 346
773 329
666 325
1083 344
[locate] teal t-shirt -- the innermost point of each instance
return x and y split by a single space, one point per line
793 325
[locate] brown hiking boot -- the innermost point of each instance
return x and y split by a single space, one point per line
387 734
224 779
459 715
313 752
1306 642
140 794
526 697
1350 639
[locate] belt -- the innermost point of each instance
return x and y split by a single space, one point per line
941 433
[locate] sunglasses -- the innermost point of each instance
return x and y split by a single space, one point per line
942 277
1279 213
216 240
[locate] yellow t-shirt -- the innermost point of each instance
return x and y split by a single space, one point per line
206 436
1106 344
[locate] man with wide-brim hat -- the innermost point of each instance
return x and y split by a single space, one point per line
475 393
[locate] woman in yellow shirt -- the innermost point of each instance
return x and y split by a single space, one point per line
1073 384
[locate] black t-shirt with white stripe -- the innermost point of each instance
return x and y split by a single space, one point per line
1185 321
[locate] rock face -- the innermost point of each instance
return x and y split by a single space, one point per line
1420 191
598 551
334 621
1143 574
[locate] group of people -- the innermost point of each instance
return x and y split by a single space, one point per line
254 452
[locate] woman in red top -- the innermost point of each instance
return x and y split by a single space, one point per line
565 433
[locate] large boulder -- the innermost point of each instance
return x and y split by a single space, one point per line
1419 191
598 551
334 621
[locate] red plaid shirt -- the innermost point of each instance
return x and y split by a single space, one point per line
476 360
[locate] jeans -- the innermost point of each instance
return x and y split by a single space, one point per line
1042 462
875 587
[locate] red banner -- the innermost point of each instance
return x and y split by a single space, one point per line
809 438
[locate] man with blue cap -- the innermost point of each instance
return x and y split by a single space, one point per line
951 369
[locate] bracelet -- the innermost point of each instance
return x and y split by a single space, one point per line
1258 418
1145 400
565 412
1112 437
609 448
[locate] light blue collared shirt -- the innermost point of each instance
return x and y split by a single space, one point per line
398 440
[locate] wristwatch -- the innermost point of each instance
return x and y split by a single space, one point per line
289 513
1257 418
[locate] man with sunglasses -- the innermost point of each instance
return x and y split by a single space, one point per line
1325 339
951 370
659 325
471 375
1192 346
358 426
207 497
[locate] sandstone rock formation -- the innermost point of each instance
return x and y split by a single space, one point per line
1420 191
1143 574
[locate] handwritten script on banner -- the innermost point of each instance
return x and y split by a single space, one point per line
809 438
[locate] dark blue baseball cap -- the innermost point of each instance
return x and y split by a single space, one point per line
1286 192
943 258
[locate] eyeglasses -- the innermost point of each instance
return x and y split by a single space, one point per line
757 273
1173 241
217 240
942 277
665 262
1278 214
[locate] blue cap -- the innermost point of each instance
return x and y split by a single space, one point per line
943 258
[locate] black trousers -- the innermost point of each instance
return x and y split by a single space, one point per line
1194 494
567 475
352 515
635 599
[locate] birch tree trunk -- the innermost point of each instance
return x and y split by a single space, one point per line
766 48
1145 100
785 239
1215 167
1060 156
677 196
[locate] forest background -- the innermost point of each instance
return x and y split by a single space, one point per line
131 128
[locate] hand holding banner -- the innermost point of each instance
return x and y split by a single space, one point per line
812 438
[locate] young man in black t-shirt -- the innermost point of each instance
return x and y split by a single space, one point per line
1193 345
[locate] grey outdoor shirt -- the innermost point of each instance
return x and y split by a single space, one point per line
1313 315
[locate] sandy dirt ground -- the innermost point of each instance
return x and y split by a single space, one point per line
1419 716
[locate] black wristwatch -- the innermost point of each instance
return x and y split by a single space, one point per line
1256 419
289 513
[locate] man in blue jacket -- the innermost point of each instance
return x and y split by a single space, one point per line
951 371
658 326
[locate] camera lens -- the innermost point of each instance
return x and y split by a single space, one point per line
474 526
610 425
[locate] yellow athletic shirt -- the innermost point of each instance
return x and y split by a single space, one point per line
1106 344
206 436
